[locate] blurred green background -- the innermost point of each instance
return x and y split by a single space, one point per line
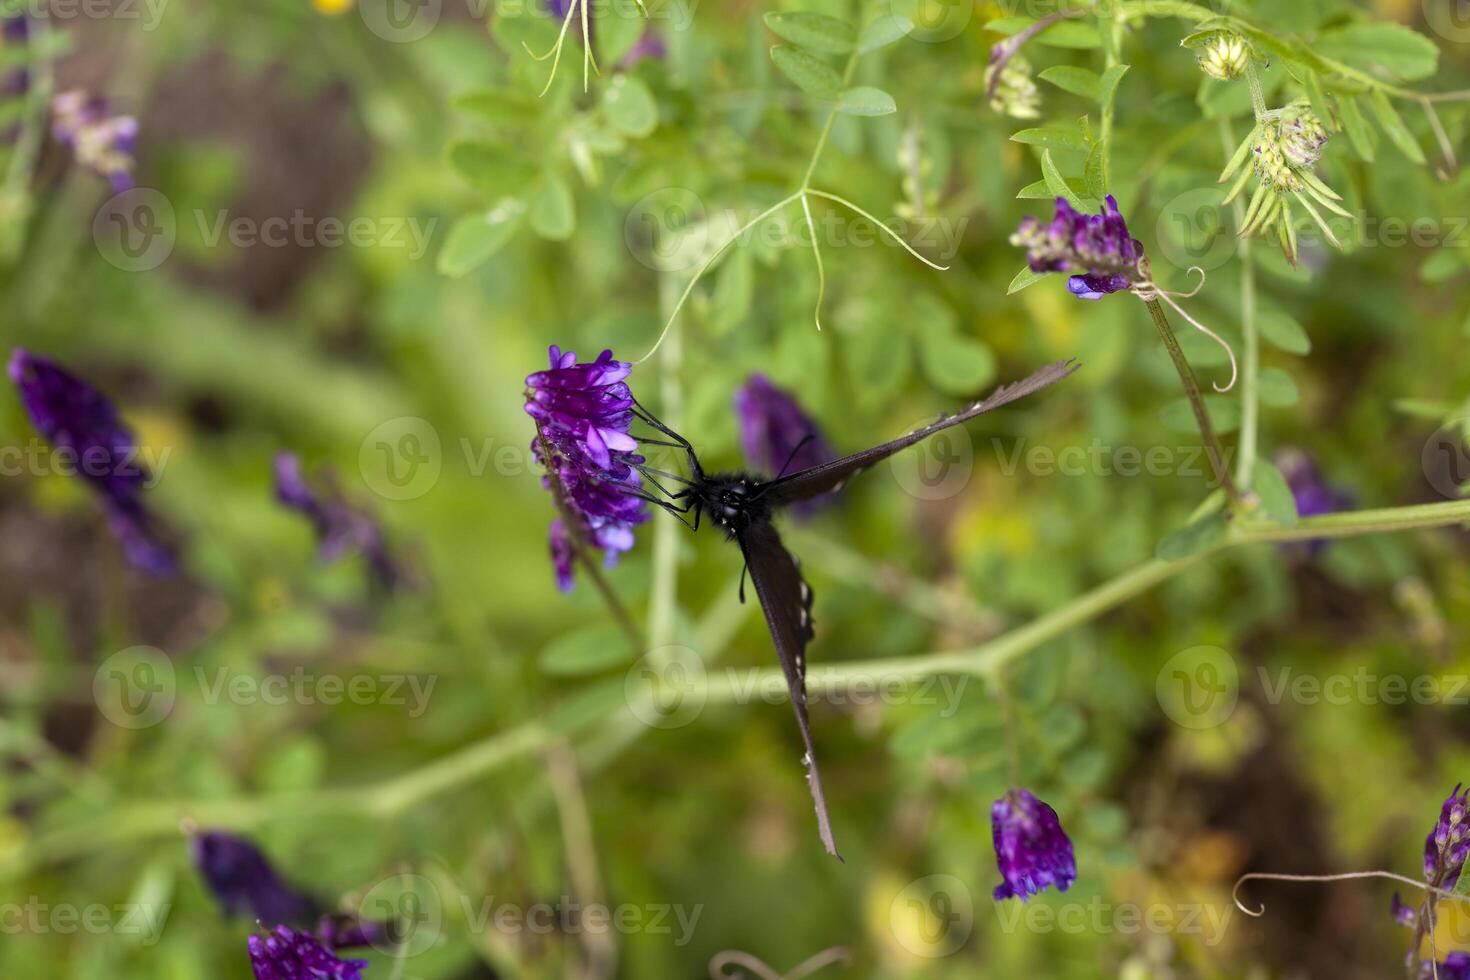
525 780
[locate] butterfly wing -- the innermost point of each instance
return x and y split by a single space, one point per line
831 476
787 602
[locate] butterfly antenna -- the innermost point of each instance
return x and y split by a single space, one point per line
650 419
744 567
810 436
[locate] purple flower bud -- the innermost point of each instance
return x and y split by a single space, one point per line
244 882
1448 843
286 954
79 420
1455 966
1312 494
1097 249
583 413
1031 849
340 527
104 144
1403 914
777 435
15 33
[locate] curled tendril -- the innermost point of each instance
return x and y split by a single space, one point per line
723 962
1345 876
1148 291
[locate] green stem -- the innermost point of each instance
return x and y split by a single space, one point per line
1258 94
1250 367
1196 402
127 823
1112 31
663 604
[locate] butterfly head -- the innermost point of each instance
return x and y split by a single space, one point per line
733 501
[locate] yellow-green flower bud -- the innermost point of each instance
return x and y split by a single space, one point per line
1225 56
1016 93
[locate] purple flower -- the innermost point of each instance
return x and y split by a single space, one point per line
244 882
1313 496
1031 849
1096 248
286 954
104 144
1448 843
82 424
777 435
1403 914
15 32
340 527
1455 966
583 413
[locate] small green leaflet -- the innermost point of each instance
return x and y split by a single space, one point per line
1393 125
1276 497
1023 279
864 100
883 32
1192 539
476 237
813 32
812 75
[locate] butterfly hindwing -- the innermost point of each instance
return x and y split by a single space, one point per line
831 476
786 600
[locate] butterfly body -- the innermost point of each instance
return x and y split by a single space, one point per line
744 505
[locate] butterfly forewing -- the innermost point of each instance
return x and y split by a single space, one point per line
787 601
821 479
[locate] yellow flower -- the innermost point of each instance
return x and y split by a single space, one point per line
332 7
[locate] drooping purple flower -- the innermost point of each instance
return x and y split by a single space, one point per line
340 527
285 954
1448 843
1312 494
1455 966
1031 849
1403 914
1096 248
15 33
104 144
81 423
583 413
777 435
244 882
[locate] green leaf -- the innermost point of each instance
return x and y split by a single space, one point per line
1107 88
1023 279
1356 126
1275 493
492 166
1393 125
864 100
503 107
955 364
1059 186
1442 266
1035 191
1381 45
1192 538
1092 171
1064 138
1062 34
813 32
812 75
883 32
1283 332
552 212
586 651
1061 727
1276 388
1078 81
1312 82
476 237
1178 415
629 106
619 26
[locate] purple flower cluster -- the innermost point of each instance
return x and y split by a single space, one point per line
1312 494
777 435
1455 966
15 32
1448 843
104 144
1096 248
79 420
1031 849
583 413
286 954
340 527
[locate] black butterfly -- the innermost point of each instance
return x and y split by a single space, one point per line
742 505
